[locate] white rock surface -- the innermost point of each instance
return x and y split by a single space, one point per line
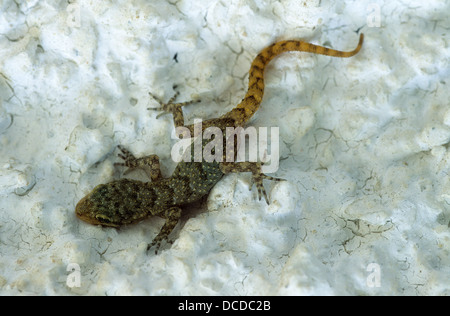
364 146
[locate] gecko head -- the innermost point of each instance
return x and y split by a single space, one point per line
93 210
114 204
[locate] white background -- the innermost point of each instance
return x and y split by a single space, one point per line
363 143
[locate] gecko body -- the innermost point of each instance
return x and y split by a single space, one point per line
127 201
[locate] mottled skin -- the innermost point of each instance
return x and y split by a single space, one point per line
126 201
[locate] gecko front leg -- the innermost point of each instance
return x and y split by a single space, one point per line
257 175
150 164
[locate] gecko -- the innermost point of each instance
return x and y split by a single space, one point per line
125 201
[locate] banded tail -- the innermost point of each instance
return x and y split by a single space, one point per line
250 104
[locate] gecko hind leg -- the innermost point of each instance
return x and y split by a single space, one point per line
150 164
172 216
257 175
171 107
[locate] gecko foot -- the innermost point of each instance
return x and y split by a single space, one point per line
150 164
257 179
257 175
171 107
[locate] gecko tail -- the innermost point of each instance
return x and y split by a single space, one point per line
250 104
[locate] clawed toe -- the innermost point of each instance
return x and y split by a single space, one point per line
170 106
129 160
158 244
257 179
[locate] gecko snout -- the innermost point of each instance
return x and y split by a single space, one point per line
81 210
